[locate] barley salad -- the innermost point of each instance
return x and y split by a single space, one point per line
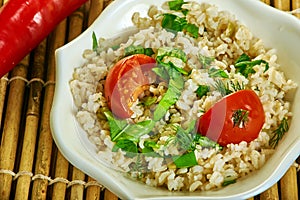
150 104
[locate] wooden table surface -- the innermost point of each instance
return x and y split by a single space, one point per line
34 168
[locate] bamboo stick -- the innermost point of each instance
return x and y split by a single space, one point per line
282 4
108 195
12 125
32 121
270 194
3 86
107 2
77 190
76 21
96 8
267 2
56 40
92 192
296 5
288 185
44 150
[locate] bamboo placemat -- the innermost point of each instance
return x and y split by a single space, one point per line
31 165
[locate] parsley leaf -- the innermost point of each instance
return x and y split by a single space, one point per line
244 65
127 146
186 160
202 90
176 4
132 49
213 73
174 23
205 60
120 129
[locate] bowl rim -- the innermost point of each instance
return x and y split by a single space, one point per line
82 162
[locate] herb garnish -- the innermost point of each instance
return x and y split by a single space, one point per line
185 160
176 4
176 24
213 73
205 60
244 65
202 90
279 132
222 87
240 117
95 41
132 49
172 73
225 89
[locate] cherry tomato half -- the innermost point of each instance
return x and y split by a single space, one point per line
235 118
127 79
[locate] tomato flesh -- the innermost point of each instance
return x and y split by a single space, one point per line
218 122
126 80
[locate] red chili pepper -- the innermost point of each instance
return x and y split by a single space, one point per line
25 23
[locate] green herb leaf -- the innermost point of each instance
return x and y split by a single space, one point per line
176 4
222 87
244 65
192 29
176 81
95 41
205 60
116 126
240 118
279 133
161 72
170 52
186 160
214 73
120 129
244 57
132 49
148 100
127 146
205 142
202 90
174 23
138 129
228 182
176 84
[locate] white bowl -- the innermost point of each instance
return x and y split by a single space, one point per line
278 30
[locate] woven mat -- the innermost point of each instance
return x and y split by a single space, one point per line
31 165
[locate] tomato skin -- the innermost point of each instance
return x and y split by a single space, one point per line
125 81
217 123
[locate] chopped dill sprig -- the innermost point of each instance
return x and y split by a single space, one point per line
225 88
279 133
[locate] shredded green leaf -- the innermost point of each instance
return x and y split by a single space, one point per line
127 146
228 182
213 73
244 65
205 142
186 160
95 41
120 129
132 49
205 60
202 90
174 23
176 4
